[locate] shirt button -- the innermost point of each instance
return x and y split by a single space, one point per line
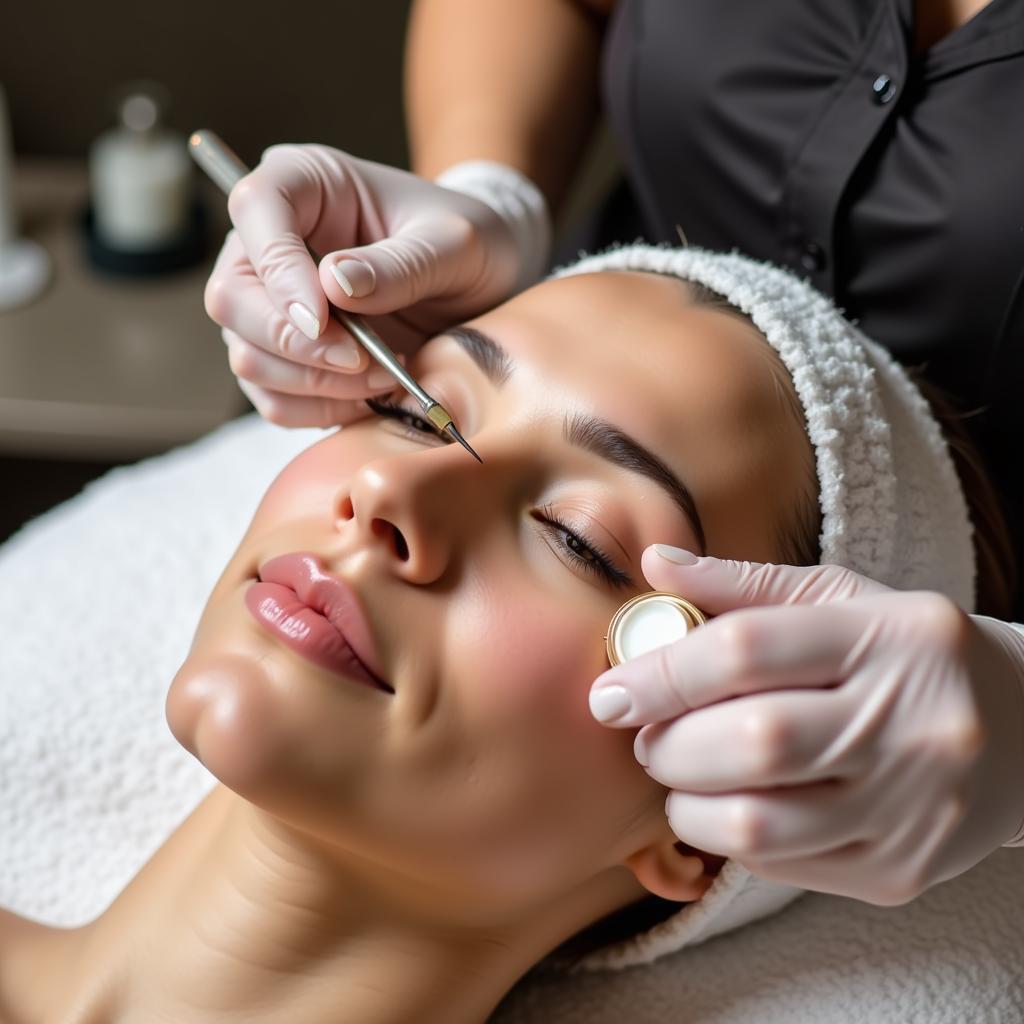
812 258
883 89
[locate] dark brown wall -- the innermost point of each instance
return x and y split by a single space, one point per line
257 73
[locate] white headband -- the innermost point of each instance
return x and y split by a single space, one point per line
891 502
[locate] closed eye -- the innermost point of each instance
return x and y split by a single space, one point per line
580 550
416 425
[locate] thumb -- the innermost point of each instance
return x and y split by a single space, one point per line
425 258
719 585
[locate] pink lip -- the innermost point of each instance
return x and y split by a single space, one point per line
316 615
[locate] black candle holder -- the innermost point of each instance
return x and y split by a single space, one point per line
189 249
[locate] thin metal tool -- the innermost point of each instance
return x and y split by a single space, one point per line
222 164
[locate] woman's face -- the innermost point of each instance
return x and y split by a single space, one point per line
486 589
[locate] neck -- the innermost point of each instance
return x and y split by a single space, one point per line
239 914
934 19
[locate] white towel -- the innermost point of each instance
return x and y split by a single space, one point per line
91 781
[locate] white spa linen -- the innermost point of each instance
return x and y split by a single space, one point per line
98 600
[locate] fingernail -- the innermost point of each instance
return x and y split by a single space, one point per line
355 277
680 556
304 320
344 354
609 703
378 377
640 749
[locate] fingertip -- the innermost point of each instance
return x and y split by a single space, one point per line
299 299
664 557
344 355
662 564
305 320
610 703
675 804
676 556
640 749
356 277
344 278
715 585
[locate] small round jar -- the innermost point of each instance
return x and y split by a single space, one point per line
649 621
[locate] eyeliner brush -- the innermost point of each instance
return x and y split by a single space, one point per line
225 168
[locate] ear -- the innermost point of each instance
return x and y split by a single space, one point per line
674 871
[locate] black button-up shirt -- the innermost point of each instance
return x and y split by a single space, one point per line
806 132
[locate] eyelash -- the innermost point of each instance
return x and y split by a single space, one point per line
598 562
592 560
407 418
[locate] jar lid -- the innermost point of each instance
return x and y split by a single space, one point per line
649 621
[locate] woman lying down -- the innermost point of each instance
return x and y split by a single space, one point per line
390 678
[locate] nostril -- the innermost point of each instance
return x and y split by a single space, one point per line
346 510
382 528
401 548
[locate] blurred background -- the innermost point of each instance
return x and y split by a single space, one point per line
239 68
111 357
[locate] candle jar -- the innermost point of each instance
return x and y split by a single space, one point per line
144 216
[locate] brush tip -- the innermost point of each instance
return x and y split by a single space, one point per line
454 431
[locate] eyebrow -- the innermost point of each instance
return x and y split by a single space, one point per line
617 447
590 433
492 359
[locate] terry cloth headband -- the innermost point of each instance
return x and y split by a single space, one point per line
891 502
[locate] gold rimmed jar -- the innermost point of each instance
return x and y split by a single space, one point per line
649 621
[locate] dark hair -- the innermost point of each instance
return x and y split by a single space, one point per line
994 551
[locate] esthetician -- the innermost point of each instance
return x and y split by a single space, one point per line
826 732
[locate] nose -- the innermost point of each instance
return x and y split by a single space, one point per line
418 508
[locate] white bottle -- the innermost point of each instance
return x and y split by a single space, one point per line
141 180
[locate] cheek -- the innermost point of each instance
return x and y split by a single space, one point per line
537 658
310 484
551 785
525 651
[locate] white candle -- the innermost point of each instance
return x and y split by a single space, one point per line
141 181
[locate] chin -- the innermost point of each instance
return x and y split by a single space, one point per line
223 710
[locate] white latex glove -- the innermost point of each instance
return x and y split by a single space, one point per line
390 242
850 739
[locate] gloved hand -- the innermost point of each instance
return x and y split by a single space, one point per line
849 739
390 242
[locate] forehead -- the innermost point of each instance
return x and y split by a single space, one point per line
698 386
